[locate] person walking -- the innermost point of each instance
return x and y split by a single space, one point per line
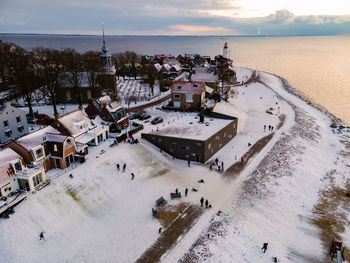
176 191
132 176
202 201
269 127
264 248
42 236
118 167
210 167
189 163
124 167
206 203
216 161
222 165
265 127
186 192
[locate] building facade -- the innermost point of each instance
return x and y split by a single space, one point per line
13 123
188 95
195 148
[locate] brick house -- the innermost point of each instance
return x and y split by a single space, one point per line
188 95
109 111
189 138
47 148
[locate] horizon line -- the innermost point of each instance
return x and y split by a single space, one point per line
126 35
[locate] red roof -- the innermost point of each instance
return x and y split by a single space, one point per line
194 87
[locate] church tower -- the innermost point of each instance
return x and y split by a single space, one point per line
226 52
107 76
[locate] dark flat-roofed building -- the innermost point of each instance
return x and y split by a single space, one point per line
189 138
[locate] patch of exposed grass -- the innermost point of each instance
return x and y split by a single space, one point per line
331 212
167 213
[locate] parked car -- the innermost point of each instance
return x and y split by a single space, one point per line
157 120
30 118
135 116
144 116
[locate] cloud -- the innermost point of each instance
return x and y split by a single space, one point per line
159 17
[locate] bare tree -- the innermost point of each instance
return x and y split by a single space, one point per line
73 72
151 76
50 70
92 65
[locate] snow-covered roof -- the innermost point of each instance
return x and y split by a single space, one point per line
166 67
76 122
189 127
193 87
36 138
7 155
205 77
158 66
176 68
104 100
171 61
55 137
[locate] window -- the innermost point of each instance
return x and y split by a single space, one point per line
20 129
179 87
39 153
195 86
37 179
159 140
68 95
18 166
198 144
18 118
177 96
173 143
209 146
23 184
55 147
89 94
8 133
6 123
189 98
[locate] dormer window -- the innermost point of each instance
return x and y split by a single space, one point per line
39 153
195 86
6 123
18 119
55 147
18 167
179 87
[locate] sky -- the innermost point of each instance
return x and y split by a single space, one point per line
176 17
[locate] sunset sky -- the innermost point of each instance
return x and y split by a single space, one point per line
177 17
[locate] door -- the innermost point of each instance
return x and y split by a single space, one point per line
58 163
198 159
67 161
176 104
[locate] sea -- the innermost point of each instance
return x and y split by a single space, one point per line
317 66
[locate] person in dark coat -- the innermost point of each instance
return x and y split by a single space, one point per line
206 203
211 167
132 176
71 176
42 236
275 259
186 192
264 248
118 167
222 165
216 161
189 163
176 191
202 201
124 167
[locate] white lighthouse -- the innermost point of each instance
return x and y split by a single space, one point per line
226 52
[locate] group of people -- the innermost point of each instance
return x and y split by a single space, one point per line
207 205
270 127
216 163
124 167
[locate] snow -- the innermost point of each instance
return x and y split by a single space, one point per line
188 127
108 217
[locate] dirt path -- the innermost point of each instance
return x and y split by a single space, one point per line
171 235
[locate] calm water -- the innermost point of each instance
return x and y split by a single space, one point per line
319 67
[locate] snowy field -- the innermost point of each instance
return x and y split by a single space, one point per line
101 215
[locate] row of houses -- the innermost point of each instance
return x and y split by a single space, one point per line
24 161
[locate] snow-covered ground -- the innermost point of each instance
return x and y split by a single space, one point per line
101 215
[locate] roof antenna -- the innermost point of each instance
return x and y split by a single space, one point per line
103 33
